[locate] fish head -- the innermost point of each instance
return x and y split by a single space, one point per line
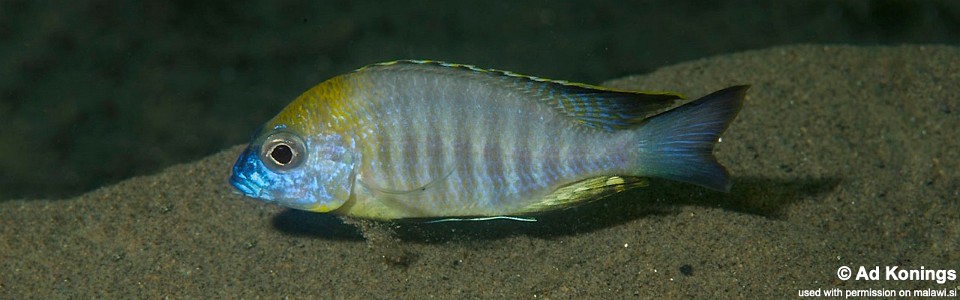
307 172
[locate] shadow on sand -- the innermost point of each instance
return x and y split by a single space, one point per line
751 195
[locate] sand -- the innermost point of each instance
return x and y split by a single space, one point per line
842 156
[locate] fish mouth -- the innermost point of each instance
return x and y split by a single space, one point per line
240 180
242 186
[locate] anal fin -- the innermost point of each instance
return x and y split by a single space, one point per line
584 191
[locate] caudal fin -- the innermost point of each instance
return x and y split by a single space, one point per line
678 144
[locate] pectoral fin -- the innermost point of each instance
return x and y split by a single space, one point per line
409 200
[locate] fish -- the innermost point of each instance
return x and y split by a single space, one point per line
420 139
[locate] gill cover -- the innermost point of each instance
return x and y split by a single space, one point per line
314 173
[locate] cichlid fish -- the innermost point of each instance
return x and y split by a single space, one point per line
426 139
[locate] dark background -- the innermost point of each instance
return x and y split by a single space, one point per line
92 92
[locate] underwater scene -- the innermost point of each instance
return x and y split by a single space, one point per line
476 150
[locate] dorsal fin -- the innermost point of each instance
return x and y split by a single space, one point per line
603 108
590 105
594 106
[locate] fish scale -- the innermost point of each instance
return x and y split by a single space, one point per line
422 139
481 166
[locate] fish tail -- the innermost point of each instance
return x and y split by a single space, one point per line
678 144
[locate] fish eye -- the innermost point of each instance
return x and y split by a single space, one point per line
282 151
281 154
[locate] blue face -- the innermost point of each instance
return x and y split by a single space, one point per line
282 167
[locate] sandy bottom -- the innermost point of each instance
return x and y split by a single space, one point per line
842 156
